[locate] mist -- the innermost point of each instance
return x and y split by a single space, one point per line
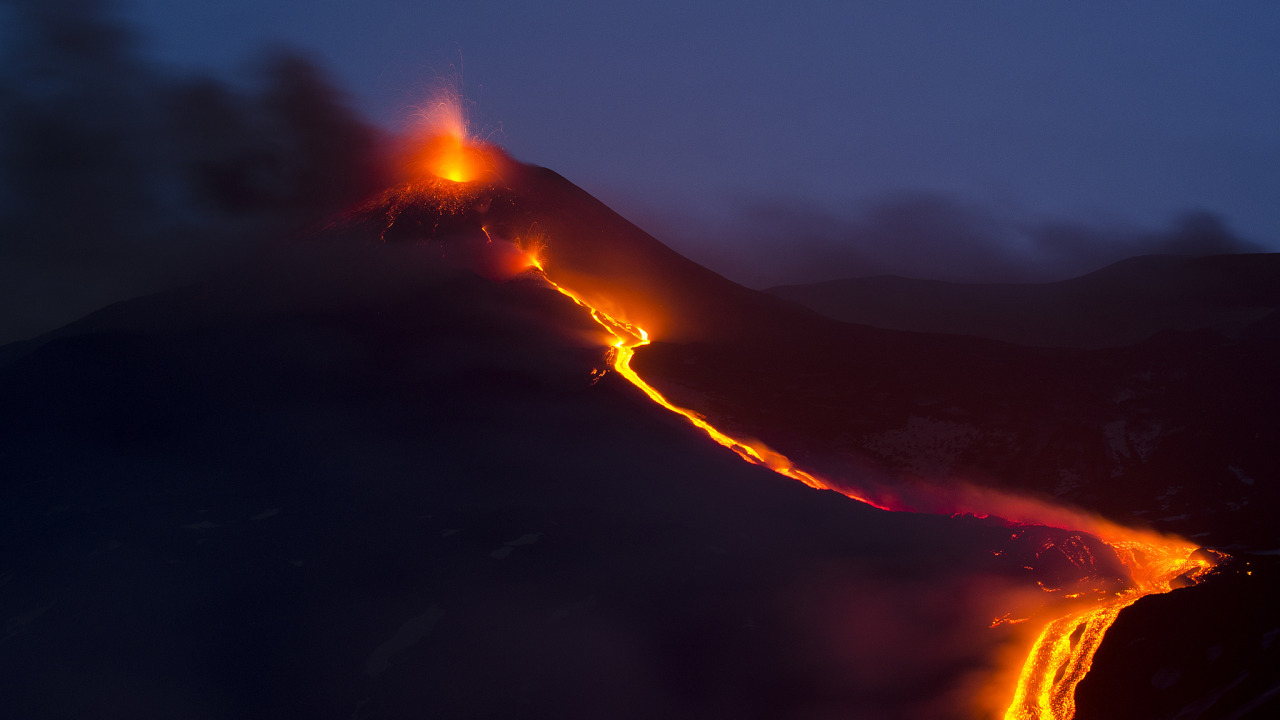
118 178
766 242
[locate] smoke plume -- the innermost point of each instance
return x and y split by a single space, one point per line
118 178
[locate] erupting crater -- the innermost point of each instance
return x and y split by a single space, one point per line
455 158
441 150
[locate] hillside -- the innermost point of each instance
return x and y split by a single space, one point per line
1121 304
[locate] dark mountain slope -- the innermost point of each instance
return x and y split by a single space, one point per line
1121 304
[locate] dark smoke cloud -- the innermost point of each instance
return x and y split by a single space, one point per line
927 236
117 178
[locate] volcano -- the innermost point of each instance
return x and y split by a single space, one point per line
397 469
906 415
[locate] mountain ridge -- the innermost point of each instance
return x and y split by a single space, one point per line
1120 304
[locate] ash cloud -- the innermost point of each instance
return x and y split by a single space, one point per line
930 236
118 178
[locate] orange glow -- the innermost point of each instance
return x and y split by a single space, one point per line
442 146
454 158
1062 653
628 337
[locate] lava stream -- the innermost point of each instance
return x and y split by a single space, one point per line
1057 663
1062 653
628 337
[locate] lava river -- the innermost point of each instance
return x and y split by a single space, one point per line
1072 622
1061 654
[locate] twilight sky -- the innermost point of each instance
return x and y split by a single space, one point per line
750 134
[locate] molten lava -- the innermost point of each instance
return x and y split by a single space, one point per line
628 337
454 158
1062 653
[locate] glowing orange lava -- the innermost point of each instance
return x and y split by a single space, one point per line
1063 651
628 337
453 158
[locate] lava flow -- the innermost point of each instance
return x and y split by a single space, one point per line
627 338
1062 653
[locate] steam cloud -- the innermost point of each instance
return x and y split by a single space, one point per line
929 236
117 179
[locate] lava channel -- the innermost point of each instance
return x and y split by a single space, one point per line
1063 651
